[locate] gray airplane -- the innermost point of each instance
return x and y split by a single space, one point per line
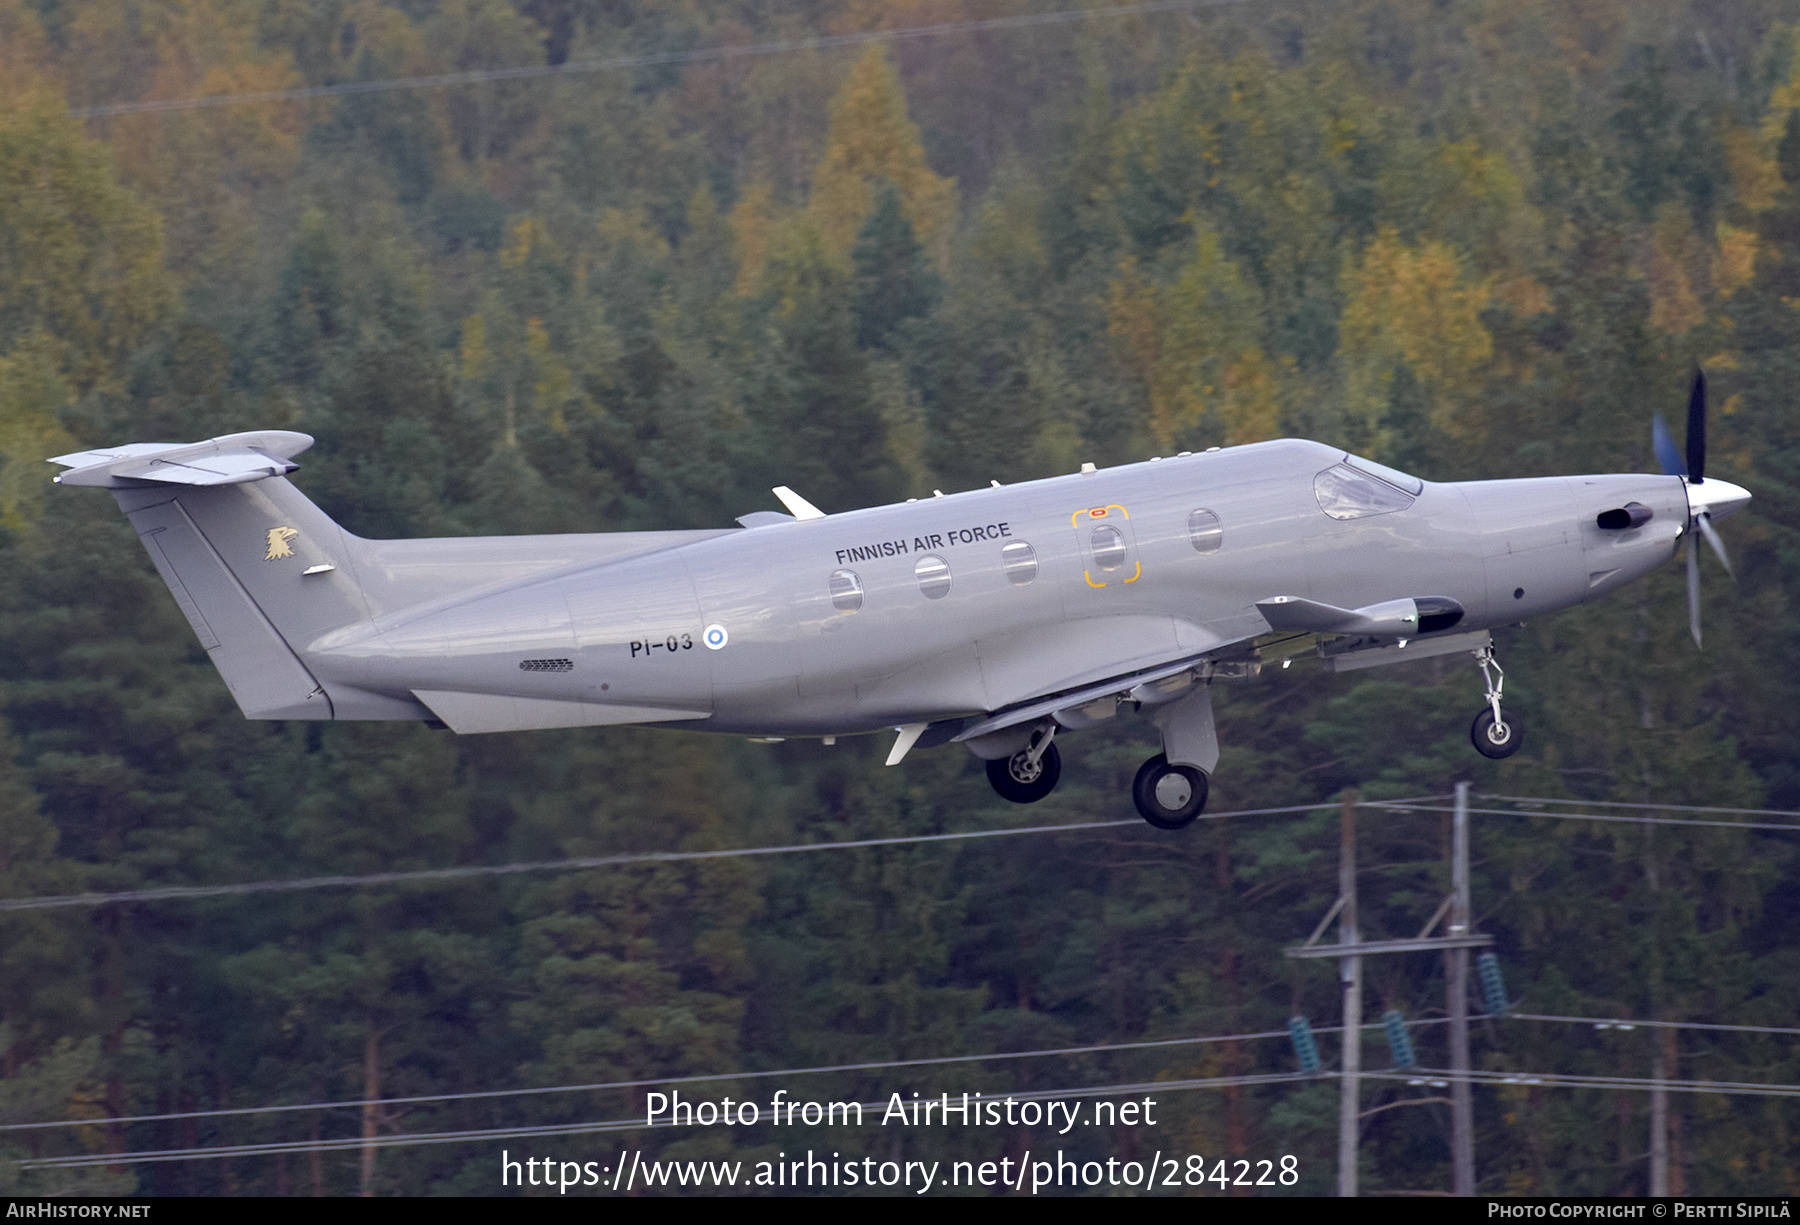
997 618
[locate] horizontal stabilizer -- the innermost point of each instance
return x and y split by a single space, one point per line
469 713
233 459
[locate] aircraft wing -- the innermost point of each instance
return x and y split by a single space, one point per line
1190 649
1278 614
471 713
1028 712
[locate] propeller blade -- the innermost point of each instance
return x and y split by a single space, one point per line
1704 522
1693 569
1666 455
1696 439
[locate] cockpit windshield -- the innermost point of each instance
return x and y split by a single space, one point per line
1347 493
1399 480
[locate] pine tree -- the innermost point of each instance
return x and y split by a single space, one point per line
893 280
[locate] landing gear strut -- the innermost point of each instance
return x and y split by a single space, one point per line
1169 797
1493 734
1029 774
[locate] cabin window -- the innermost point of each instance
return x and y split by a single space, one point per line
1019 561
1205 531
1109 548
933 574
1345 493
846 591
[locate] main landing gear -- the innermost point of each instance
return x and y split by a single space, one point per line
1493 734
1169 791
1031 773
1169 797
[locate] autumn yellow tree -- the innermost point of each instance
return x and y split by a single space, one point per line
81 284
872 138
1419 306
1195 345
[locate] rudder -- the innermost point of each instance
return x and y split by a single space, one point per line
212 515
264 676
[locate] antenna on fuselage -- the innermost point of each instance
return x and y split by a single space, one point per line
797 506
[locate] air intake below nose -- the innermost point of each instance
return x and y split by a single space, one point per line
1437 612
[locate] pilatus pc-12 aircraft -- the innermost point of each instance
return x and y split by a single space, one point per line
1000 618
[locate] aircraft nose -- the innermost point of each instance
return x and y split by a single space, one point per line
1716 498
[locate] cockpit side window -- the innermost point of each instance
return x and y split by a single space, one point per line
1399 480
1345 493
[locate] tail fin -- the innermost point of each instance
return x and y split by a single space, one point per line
248 557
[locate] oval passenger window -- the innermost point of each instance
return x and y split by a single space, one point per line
934 577
1205 532
1109 548
846 591
1019 560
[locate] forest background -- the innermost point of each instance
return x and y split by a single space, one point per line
1471 240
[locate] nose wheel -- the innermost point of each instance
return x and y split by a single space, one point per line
1493 733
1030 774
1169 797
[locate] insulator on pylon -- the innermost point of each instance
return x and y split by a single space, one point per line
1304 1047
1399 1041
1493 987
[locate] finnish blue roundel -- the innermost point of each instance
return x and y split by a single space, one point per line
715 637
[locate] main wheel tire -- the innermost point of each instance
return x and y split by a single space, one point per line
1169 797
1497 740
1017 779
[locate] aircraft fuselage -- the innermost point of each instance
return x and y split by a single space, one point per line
954 606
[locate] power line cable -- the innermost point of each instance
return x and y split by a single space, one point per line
1554 1080
171 892
1416 804
1615 1023
632 1124
1743 812
652 59
1502 1079
1608 817
882 1065
878 1065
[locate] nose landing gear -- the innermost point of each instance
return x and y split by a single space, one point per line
1493 734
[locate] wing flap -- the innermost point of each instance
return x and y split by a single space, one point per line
1078 697
469 714
1193 646
1419 648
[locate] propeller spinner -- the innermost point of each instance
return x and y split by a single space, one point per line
1707 500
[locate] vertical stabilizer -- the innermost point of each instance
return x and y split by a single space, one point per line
263 674
258 570
280 573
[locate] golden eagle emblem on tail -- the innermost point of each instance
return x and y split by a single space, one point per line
278 543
